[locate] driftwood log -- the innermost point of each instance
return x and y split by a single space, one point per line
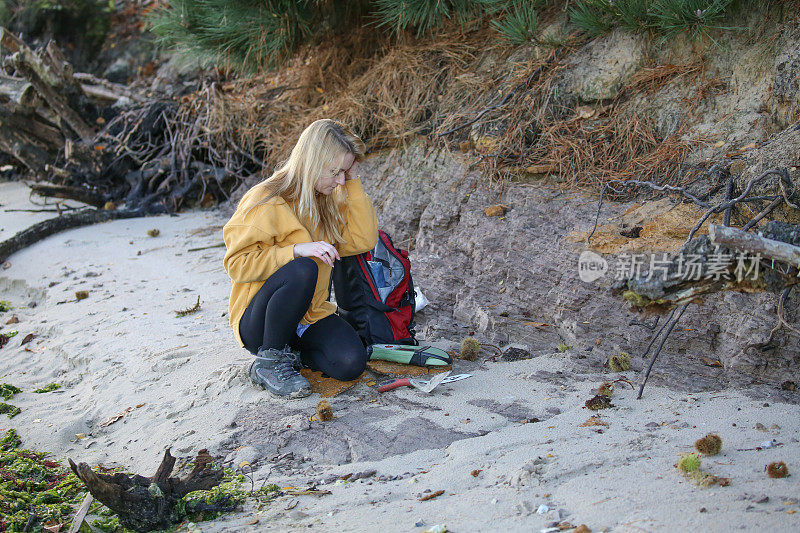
147 503
52 226
755 244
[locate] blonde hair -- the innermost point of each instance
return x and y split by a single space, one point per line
295 179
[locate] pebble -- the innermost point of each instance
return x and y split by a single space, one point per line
762 499
363 475
760 427
543 508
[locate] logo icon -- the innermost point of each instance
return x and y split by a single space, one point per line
591 266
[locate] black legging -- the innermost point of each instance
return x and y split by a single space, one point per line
270 321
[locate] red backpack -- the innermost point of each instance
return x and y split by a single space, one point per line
375 293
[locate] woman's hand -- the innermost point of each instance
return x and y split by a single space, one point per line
321 249
350 173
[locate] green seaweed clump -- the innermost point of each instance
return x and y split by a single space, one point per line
5 305
32 486
600 401
109 524
606 388
689 462
10 410
619 363
48 388
209 504
564 347
8 391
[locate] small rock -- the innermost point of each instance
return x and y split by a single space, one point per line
762 499
760 427
543 508
582 529
13 320
652 425
363 475
524 508
246 454
774 427
514 353
553 515
703 510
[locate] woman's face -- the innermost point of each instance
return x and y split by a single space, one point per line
333 174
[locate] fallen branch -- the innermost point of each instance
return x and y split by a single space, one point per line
52 226
660 345
755 244
69 193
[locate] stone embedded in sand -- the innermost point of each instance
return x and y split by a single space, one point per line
711 444
324 411
515 354
81 295
154 232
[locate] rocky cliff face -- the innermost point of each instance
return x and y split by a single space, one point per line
514 278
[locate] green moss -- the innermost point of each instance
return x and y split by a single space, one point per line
30 484
10 410
635 299
48 388
8 391
620 362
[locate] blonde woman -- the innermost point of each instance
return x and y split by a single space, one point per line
282 242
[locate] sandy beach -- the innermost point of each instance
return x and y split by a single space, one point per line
508 442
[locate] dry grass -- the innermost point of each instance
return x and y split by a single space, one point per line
391 92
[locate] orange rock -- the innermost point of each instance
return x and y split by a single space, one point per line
495 210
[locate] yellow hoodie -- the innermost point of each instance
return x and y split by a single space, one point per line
263 242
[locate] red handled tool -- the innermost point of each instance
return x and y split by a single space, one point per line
424 386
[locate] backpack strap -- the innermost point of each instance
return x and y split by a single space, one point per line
421 357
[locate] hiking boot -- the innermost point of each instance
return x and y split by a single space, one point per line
275 371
